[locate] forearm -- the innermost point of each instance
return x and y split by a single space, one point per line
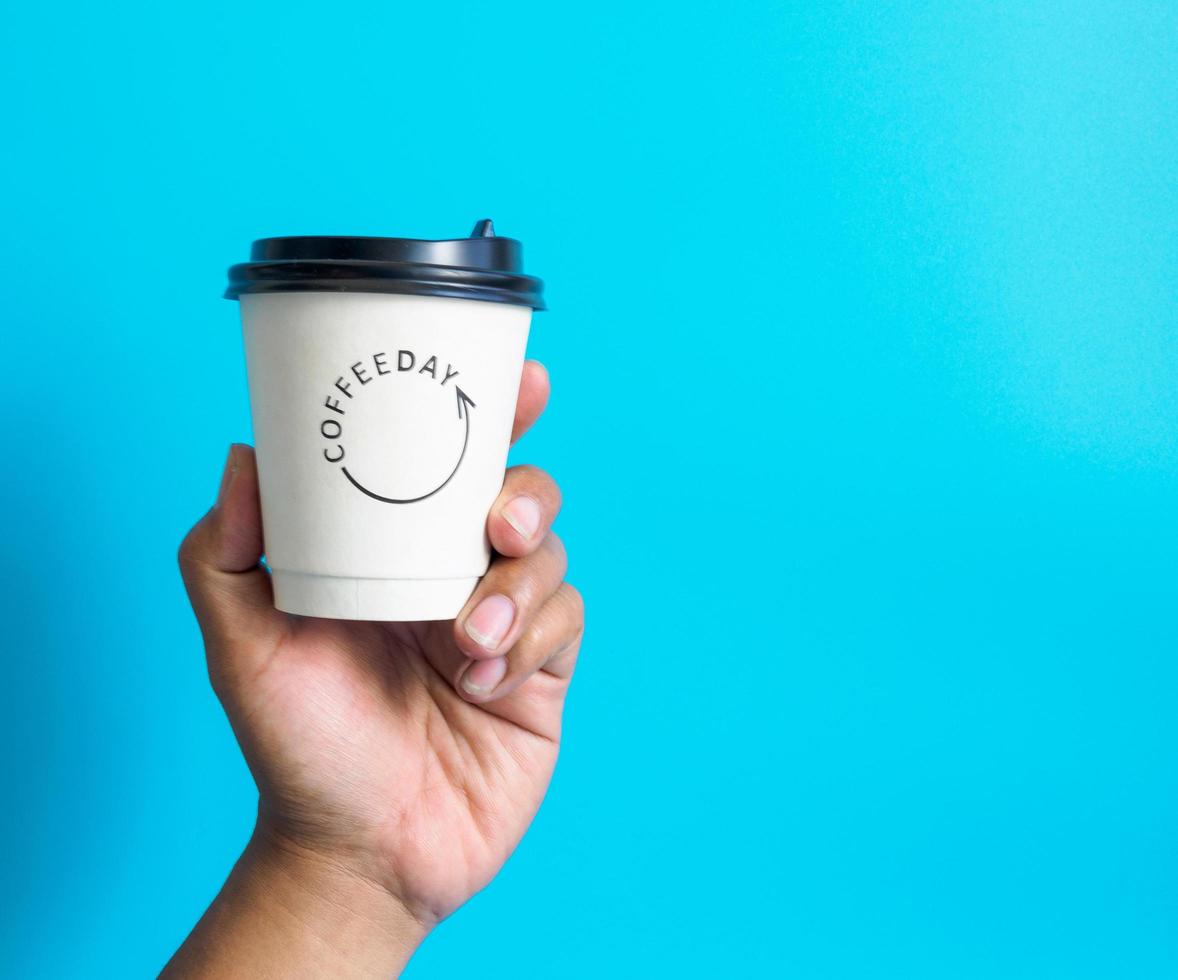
284 914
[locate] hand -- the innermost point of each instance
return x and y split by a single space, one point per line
397 764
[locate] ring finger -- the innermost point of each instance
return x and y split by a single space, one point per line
506 600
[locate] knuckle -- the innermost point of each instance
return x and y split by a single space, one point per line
539 483
556 495
557 556
574 602
530 580
563 618
529 590
187 552
555 632
522 478
554 545
543 637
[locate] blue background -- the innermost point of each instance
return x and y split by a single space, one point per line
863 340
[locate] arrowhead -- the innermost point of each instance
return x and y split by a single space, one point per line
462 396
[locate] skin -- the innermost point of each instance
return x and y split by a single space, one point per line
397 764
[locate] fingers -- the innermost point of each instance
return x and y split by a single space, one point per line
533 396
523 511
549 643
506 599
522 618
219 558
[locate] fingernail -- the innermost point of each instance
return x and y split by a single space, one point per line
483 676
523 514
490 621
228 473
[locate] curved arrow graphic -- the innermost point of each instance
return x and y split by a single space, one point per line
463 398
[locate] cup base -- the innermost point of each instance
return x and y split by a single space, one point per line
394 600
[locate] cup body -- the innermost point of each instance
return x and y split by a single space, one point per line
382 423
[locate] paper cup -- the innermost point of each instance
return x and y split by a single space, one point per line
382 422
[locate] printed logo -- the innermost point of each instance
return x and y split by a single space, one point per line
414 402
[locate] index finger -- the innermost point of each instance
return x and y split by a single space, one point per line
533 396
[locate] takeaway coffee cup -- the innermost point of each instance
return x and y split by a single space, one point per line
383 376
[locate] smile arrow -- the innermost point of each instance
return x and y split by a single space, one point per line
463 413
464 397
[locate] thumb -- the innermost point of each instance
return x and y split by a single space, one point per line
220 559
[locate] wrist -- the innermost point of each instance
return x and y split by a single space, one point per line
288 911
345 912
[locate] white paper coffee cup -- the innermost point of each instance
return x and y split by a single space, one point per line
383 391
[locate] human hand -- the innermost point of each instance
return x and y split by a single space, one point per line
397 764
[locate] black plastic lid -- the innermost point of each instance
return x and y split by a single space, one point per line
482 267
